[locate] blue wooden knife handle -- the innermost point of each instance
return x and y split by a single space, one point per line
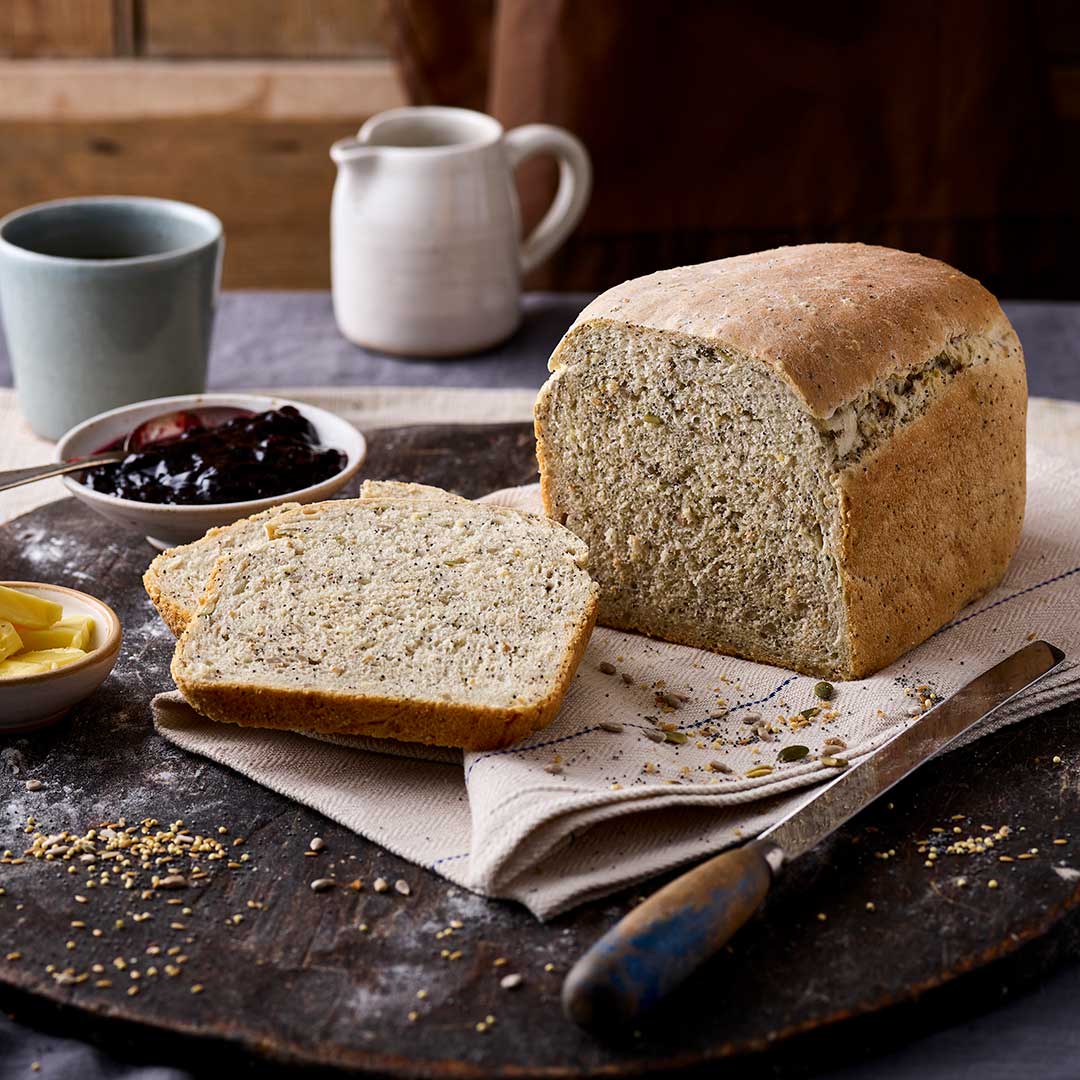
655 947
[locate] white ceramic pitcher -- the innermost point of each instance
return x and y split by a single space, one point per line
426 254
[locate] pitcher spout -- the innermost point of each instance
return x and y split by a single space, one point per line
351 150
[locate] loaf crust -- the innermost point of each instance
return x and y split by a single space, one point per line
830 319
931 521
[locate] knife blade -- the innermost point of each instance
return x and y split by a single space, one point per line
658 944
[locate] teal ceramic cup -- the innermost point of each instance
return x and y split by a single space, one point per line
106 301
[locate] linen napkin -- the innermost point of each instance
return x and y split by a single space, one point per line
661 754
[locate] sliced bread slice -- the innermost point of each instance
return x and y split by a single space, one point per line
453 624
177 578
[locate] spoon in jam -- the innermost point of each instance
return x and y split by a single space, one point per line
150 432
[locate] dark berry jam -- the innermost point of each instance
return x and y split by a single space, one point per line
256 456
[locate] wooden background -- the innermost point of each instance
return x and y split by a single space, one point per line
233 104
230 104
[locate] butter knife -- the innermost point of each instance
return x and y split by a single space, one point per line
658 944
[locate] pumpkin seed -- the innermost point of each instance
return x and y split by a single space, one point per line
824 691
677 737
811 712
794 753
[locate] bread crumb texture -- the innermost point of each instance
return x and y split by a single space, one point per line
442 622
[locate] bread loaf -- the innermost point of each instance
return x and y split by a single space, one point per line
177 578
416 618
812 456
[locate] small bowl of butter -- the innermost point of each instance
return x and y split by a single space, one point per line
57 646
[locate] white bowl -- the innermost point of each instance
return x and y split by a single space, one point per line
166 525
33 701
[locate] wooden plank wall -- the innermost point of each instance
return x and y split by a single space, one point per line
230 104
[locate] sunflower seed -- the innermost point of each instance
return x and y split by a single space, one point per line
611 725
653 736
322 884
554 769
751 718
672 701
606 668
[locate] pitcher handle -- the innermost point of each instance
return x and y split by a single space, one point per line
572 196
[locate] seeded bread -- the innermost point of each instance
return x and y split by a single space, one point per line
812 457
447 623
177 578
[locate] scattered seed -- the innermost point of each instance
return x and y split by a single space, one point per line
317 843
751 718
402 886
381 885
676 737
653 736
606 668
824 691
627 679
720 767
653 419
759 770
672 701
1056 759
794 753
835 762
809 714
322 884
197 988
835 740
34 785
915 710
992 883
870 905
611 726
555 770
508 982
173 881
